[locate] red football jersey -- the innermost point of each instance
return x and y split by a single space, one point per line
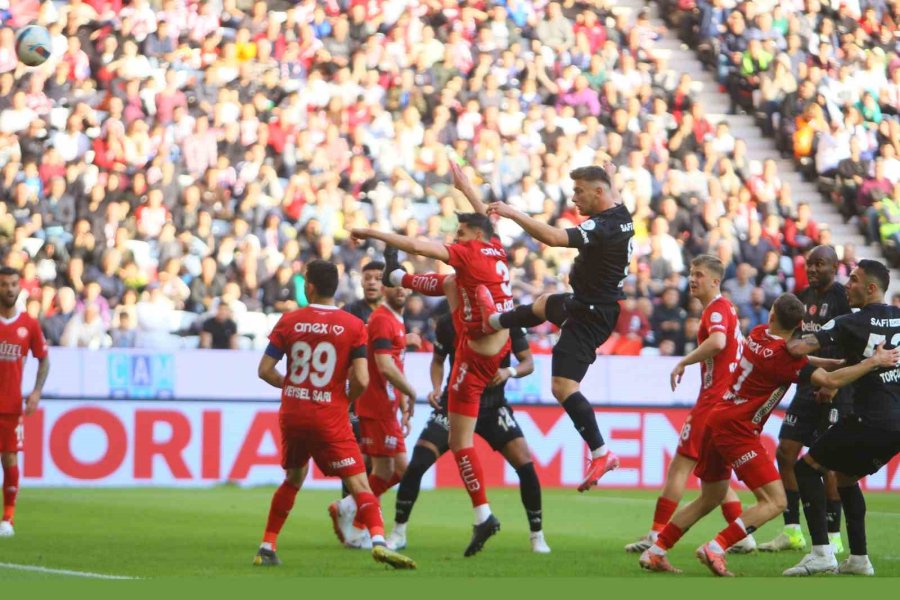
479 263
719 315
17 336
763 377
387 335
320 342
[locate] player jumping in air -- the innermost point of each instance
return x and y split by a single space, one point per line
732 438
326 347
807 418
382 436
859 444
496 425
19 334
718 352
587 316
478 259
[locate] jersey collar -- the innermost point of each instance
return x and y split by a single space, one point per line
12 319
773 336
323 306
397 315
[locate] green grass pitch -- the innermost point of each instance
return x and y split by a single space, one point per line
153 533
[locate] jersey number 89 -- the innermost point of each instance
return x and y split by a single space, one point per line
316 363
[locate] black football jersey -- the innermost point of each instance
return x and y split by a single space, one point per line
445 346
876 396
359 308
605 246
820 309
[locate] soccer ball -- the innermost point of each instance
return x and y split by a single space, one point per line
33 45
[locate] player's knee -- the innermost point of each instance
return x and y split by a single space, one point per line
785 455
562 388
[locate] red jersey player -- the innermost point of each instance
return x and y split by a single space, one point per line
325 346
381 435
718 352
19 334
478 259
731 441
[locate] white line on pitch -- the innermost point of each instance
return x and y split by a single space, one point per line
37 569
625 500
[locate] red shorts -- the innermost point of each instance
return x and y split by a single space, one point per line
11 433
727 450
334 450
471 373
381 437
690 441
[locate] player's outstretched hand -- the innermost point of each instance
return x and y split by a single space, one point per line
501 209
825 395
434 398
31 403
675 377
461 181
359 233
500 376
886 358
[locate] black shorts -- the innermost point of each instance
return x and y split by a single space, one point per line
582 330
853 448
497 426
806 419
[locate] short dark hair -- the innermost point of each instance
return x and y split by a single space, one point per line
877 271
477 221
323 276
373 265
789 311
9 272
591 173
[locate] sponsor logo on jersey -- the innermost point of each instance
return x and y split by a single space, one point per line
828 326
492 252
810 327
337 329
716 317
757 348
744 459
321 328
589 225
790 420
343 463
10 352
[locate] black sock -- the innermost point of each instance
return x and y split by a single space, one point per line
833 510
582 414
530 490
520 316
812 492
792 512
408 490
855 513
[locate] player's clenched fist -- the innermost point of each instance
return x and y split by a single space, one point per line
360 233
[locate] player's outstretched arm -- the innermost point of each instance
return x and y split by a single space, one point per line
882 359
464 185
552 236
711 346
407 244
359 377
267 371
803 346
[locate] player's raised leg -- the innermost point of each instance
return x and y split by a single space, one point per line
282 503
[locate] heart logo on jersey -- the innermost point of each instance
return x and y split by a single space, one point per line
337 329
23 332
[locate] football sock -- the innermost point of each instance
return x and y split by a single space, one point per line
520 316
530 490
665 508
669 536
380 486
282 503
731 510
421 461
472 475
730 536
582 414
833 512
792 512
369 513
10 491
429 284
396 277
812 492
855 513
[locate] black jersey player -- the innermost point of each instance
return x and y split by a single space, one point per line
806 419
859 444
587 316
496 425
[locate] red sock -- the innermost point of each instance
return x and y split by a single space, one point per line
732 534
380 486
472 475
665 508
669 536
429 284
731 510
368 511
10 490
282 503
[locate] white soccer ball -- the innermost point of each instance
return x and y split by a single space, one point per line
33 45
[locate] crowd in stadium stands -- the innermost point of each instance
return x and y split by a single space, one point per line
165 176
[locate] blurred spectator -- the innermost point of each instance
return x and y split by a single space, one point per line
86 329
219 332
124 335
740 288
